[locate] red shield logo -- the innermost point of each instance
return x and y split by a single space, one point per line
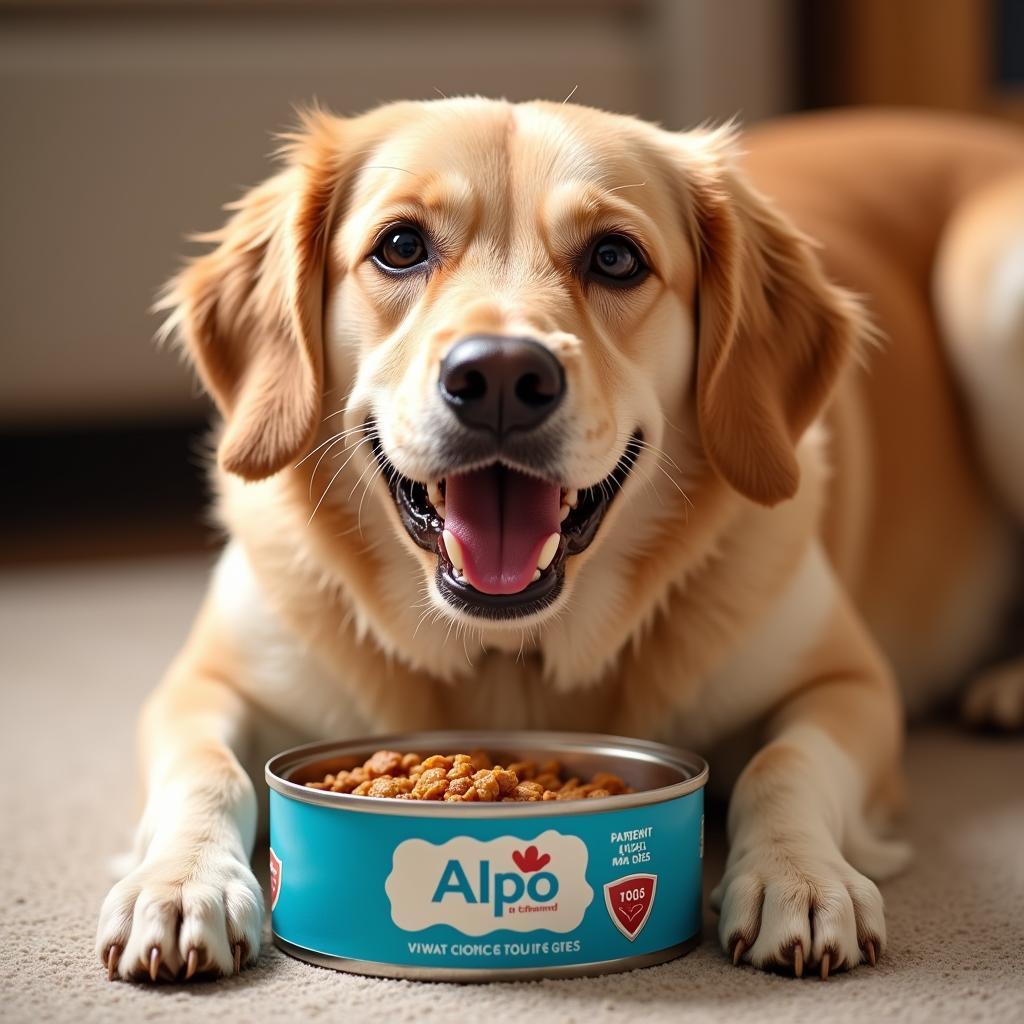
629 901
275 878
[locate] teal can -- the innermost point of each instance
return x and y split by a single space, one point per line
489 891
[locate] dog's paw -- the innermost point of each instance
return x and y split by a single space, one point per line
995 699
796 904
181 915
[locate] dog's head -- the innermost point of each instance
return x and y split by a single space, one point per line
507 326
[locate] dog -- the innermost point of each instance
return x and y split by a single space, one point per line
538 416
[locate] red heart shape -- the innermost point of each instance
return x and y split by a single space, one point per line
530 859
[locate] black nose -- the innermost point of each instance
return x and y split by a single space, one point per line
501 384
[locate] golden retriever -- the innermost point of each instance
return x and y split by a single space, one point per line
537 416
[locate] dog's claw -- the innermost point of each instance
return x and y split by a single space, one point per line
738 951
154 963
238 957
192 964
113 957
870 952
798 961
826 963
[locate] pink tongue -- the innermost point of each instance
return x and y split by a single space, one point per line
501 518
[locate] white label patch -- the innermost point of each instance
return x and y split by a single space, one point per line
479 887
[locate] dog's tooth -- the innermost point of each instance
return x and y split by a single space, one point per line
434 493
572 497
563 513
454 549
439 508
536 575
547 553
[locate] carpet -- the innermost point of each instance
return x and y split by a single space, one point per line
80 646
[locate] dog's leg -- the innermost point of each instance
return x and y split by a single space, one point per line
795 891
192 905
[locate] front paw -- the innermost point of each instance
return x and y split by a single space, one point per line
794 902
182 914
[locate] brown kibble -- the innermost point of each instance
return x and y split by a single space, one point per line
384 762
431 791
431 784
462 777
507 780
437 761
346 782
486 786
526 791
387 786
461 769
458 788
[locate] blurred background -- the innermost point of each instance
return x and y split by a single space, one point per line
127 123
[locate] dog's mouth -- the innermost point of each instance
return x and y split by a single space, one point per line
502 536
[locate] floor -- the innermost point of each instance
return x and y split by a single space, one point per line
79 647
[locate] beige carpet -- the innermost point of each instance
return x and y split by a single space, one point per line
80 646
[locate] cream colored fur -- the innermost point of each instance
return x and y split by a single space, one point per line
730 594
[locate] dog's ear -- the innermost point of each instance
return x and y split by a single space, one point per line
773 332
249 312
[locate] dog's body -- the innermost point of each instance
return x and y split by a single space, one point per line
849 507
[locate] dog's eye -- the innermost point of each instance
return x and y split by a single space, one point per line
401 248
616 260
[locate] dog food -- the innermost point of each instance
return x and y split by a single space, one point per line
550 855
466 778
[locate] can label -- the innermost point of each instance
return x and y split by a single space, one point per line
495 893
477 887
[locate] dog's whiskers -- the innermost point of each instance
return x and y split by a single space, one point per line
355 448
330 440
646 445
312 475
340 470
660 456
420 622
671 479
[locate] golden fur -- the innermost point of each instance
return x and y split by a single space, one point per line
796 525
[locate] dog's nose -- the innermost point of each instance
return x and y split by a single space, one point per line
501 384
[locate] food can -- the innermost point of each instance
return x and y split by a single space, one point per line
457 891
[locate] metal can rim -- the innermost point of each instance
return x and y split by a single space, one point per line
693 768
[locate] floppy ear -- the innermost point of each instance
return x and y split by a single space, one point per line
773 334
249 312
